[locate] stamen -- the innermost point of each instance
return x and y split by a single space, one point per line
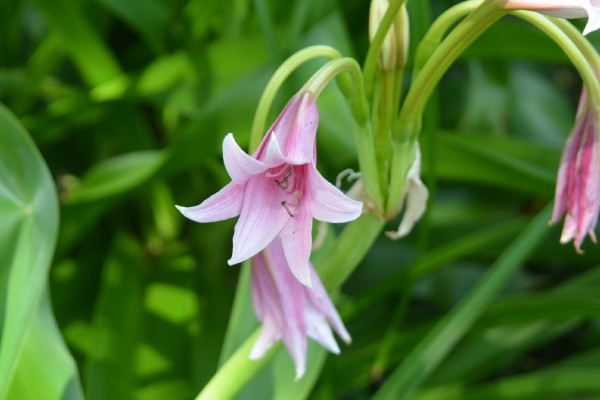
284 204
284 184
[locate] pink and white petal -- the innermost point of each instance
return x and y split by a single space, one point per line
239 165
269 334
274 156
225 204
321 301
567 169
593 23
296 239
318 329
300 143
326 202
261 219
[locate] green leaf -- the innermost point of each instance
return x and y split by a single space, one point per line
430 351
116 327
46 369
84 44
117 175
29 215
149 17
496 161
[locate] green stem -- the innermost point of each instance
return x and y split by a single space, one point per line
430 351
288 66
375 47
579 60
409 120
354 92
438 29
236 372
350 247
586 48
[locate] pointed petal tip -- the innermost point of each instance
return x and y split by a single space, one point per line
299 373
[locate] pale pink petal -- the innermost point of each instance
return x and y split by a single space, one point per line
282 304
300 143
318 329
319 298
268 335
296 239
239 165
274 156
225 204
294 131
326 202
261 219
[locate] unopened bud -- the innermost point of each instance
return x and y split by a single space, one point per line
394 49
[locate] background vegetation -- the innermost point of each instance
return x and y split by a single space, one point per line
114 111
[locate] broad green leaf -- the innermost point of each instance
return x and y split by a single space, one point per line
116 176
46 369
29 215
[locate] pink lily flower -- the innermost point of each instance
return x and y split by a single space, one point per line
578 183
289 310
560 8
277 191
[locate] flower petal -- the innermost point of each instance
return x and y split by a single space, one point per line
261 219
225 204
318 329
321 301
326 202
296 238
240 166
300 143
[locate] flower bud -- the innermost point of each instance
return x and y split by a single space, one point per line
394 49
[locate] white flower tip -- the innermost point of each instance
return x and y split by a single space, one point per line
182 210
305 281
300 370
347 339
233 261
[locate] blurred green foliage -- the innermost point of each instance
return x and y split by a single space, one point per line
128 102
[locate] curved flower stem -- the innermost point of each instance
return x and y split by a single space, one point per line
438 29
586 48
438 63
236 372
350 247
284 70
433 348
408 123
573 51
375 47
353 90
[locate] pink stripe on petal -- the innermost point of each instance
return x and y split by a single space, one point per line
296 238
225 204
261 219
